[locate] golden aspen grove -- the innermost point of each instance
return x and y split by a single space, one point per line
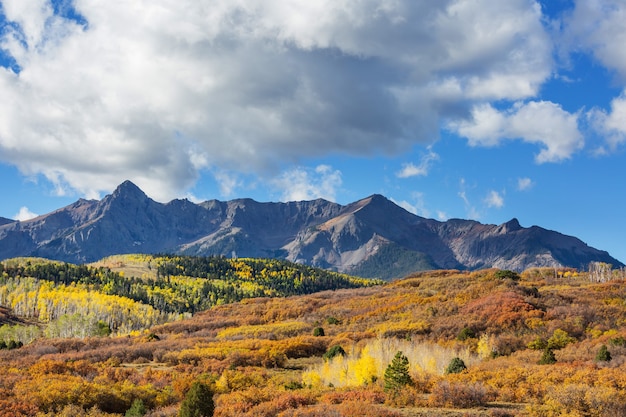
131 334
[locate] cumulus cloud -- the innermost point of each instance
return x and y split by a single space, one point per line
25 214
158 91
494 199
611 124
419 170
524 184
301 183
598 27
540 122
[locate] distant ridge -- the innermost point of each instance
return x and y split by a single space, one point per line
5 221
371 237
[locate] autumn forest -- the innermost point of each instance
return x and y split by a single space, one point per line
136 335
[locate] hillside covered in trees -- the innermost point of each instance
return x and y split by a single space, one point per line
129 293
446 343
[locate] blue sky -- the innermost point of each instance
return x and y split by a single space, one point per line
453 109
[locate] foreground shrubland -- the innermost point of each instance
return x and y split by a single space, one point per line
487 343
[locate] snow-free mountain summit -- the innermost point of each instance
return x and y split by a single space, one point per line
370 237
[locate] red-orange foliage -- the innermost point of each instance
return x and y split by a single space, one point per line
458 395
13 408
501 311
366 396
250 374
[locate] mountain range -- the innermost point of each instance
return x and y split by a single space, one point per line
372 237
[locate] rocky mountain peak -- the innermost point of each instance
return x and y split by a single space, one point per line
510 226
128 190
127 196
375 203
370 237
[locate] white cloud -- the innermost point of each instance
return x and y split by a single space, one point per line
541 122
406 205
442 216
25 214
420 170
470 209
31 16
228 182
524 184
417 208
157 91
612 124
598 27
301 183
494 199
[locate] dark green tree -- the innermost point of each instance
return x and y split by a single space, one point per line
334 351
603 354
456 366
137 409
198 402
102 328
318 331
466 333
397 373
507 274
548 357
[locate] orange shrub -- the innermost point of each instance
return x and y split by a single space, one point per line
501 311
11 408
458 395
366 396
285 401
356 408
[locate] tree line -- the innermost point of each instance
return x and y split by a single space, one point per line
84 299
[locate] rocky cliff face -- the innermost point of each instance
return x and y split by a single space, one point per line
370 237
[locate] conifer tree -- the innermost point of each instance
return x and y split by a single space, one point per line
456 366
137 409
548 357
334 351
397 373
318 331
603 354
198 402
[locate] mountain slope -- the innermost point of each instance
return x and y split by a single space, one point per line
372 236
5 221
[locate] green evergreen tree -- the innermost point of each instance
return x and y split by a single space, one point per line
334 351
603 354
548 357
198 402
507 274
318 331
397 373
466 333
137 409
102 329
456 366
